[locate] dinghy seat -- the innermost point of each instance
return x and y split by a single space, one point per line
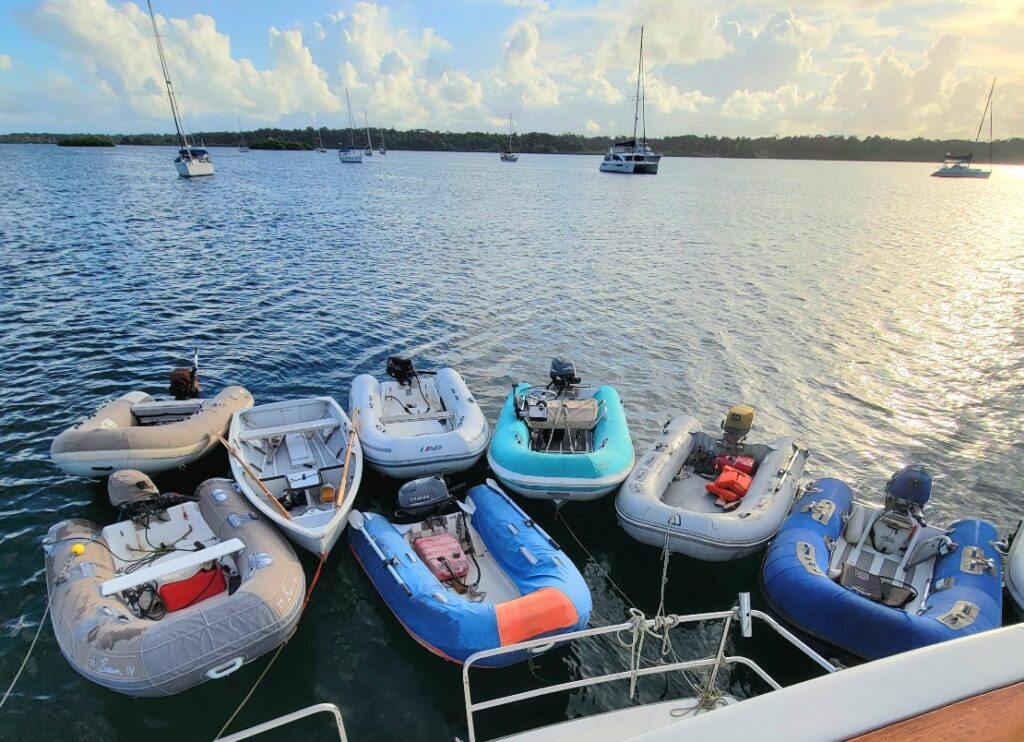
884 590
299 451
563 414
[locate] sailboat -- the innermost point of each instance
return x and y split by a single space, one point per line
634 156
320 140
959 166
242 147
369 144
509 154
350 154
191 161
383 148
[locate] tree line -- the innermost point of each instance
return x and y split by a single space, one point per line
819 147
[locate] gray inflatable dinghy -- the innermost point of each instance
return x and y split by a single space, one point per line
220 588
137 431
668 498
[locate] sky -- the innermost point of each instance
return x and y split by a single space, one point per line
904 68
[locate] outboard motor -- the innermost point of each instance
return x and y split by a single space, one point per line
128 487
401 369
737 423
563 373
423 495
185 384
906 493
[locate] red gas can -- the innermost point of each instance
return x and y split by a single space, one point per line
436 550
744 462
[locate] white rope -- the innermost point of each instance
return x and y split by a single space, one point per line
29 654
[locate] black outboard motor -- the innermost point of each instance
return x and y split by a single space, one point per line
423 495
401 369
563 373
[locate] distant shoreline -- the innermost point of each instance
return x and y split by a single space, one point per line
834 148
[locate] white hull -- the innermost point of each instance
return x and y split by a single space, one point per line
509 158
284 441
648 167
350 157
194 168
1014 574
961 172
441 430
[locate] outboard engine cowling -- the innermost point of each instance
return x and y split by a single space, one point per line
401 369
128 486
423 495
563 372
911 484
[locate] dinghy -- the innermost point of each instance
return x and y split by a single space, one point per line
481 576
562 441
1015 573
878 580
421 423
182 590
300 464
138 431
671 492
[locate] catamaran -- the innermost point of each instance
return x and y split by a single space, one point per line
242 146
383 148
191 161
634 156
509 154
959 166
350 154
368 151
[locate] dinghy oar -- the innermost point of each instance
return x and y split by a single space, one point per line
252 475
348 455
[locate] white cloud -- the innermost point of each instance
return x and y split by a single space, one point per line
5 62
521 76
593 127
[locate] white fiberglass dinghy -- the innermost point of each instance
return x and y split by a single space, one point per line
420 424
182 590
138 431
712 497
300 463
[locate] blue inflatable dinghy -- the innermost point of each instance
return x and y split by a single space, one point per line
482 577
562 441
877 580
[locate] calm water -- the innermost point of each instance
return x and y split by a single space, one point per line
870 309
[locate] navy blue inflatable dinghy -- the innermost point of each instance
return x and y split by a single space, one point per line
877 581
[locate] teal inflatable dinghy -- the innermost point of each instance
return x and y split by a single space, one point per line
562 441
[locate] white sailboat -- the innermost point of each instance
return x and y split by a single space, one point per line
368 151
634 156
959 166
191 161
242 147
350 154
383 147
320 140
509 154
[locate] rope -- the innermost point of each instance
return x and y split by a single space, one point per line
302 612
27 655
604 572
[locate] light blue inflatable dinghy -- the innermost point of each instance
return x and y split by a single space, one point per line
877 580
562 441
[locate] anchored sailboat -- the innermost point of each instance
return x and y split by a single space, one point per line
350 154
634 156
191 161
959 166
320 140
242 146
369 144
383 148
509 154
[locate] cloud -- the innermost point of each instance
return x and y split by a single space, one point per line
521 77
5 62
593 127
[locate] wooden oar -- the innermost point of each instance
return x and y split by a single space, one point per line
252 475
348 454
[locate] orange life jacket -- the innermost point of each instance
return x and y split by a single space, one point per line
731 484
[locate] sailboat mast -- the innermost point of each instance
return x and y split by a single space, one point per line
510 132
182 141
991 115
985 112
351 124
241 133
366 123
639 67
